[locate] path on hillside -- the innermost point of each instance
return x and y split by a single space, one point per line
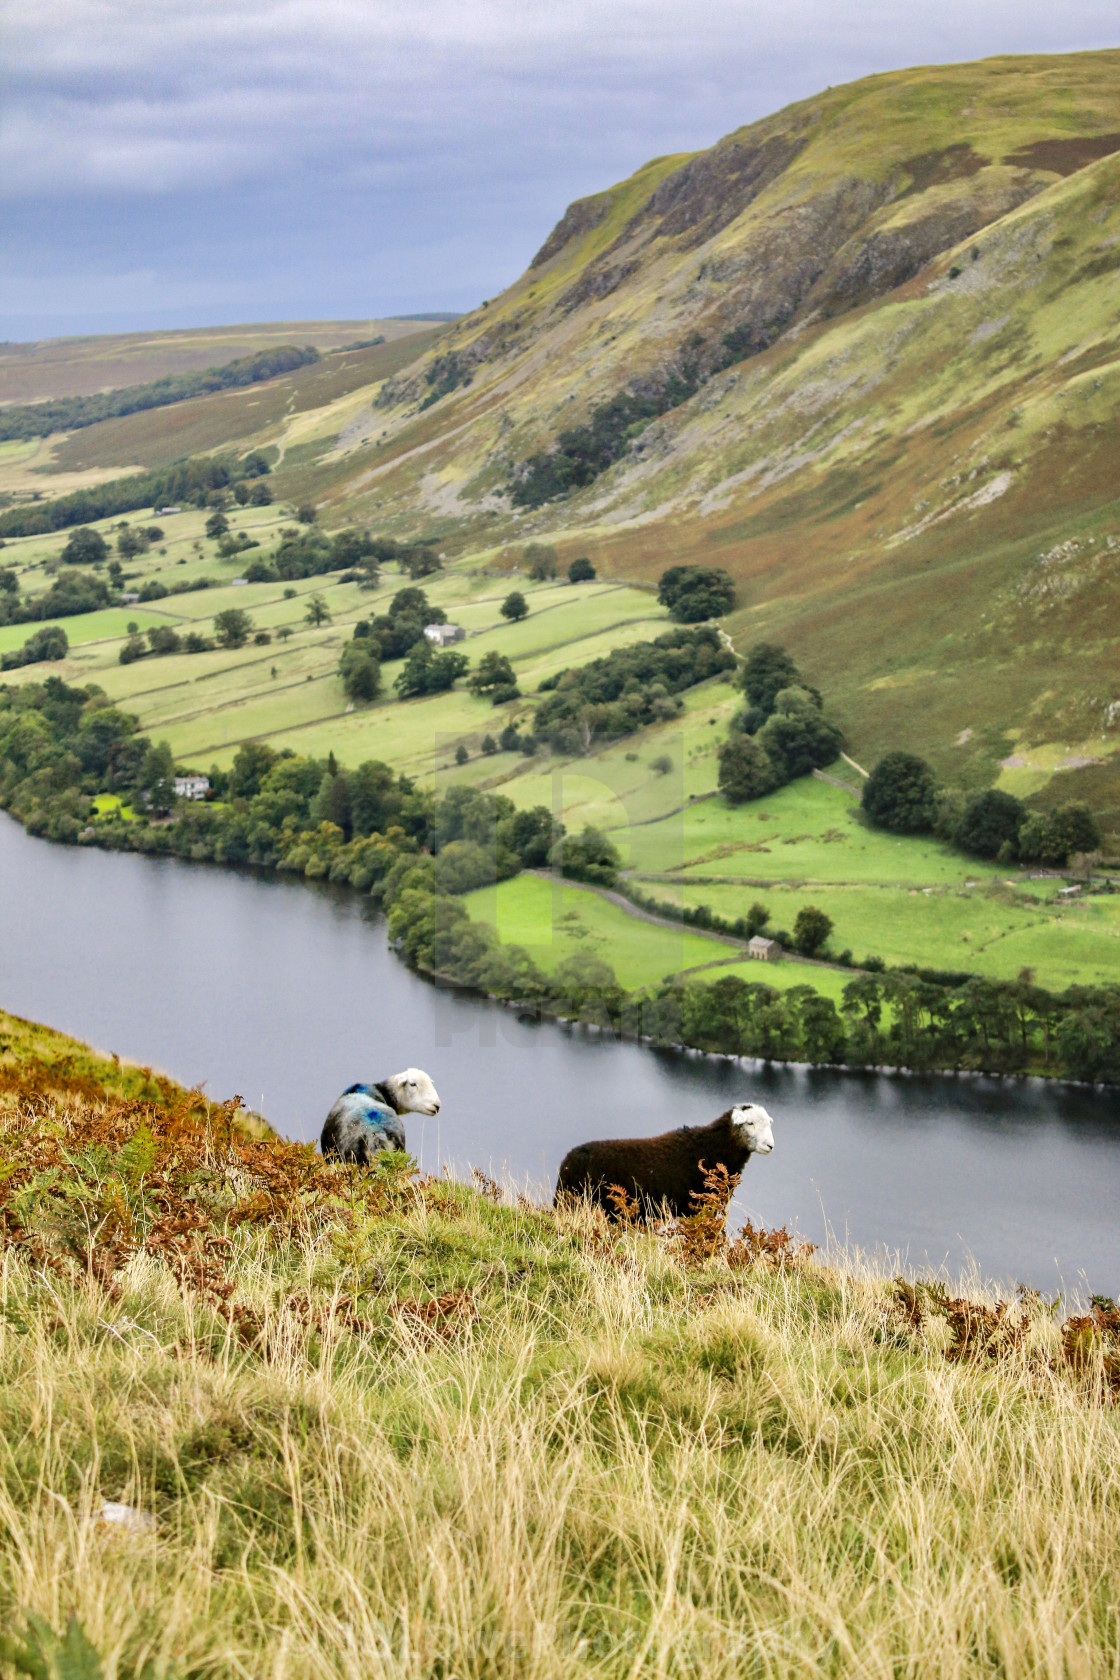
642 915
635 910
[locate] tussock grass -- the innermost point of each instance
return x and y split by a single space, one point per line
403 1427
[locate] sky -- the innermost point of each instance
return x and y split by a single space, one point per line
169 163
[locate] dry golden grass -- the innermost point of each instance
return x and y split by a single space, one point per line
398 1427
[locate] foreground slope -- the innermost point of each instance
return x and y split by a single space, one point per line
895 302
265 1415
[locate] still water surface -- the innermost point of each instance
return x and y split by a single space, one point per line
286 994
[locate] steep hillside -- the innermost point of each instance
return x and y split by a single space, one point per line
863 354
867 355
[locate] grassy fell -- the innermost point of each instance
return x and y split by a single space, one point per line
418 1427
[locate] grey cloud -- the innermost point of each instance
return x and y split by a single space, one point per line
339 156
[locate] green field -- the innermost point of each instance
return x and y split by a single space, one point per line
904 900
995 930
288 692
554 920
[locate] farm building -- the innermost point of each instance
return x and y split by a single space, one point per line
766 950
442 635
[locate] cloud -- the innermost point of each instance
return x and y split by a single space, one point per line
406 133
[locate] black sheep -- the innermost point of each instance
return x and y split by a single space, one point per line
666 1168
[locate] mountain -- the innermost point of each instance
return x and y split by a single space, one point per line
863 354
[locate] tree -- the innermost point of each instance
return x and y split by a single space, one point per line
798 741
530 835
581 571
317 611
428 672
589 856
332 802
157 778
461 754
661 765
85 547
745 770
307 514
131 542
49 643
901 794
693 593
1089 1035
811 930
767 669
489 745
756 919
493 672
1053 837
990 822
541 561
232 627
217 525
419 561
515 606
253 762
822 1031
360 671
260 495
9 582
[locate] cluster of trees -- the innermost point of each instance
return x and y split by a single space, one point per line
900 1020
161 639
47 644
203 481
68 414
399 634
695 593
376 831
131 539
310 553
360 670
392 634
629 688
445 374
494 677
581 453
782 732
70 594
812 928
428 670
903 794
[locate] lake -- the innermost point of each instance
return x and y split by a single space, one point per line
285 994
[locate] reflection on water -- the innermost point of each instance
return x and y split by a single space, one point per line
285 995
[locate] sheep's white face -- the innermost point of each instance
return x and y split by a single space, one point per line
755 1128
413 1092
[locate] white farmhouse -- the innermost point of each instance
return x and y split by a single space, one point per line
442 635
192 787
